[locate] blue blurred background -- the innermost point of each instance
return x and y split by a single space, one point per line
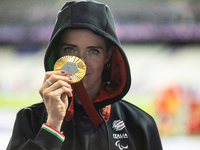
162 42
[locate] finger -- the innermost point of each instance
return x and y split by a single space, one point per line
56 95
50 73
64 99
55 78
57 85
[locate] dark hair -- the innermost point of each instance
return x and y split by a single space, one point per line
108 44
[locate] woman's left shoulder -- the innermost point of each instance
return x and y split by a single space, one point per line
130 112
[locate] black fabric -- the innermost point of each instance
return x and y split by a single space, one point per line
135 129
140 132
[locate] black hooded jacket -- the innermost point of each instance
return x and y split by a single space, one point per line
125 126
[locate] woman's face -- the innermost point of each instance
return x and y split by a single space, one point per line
89 47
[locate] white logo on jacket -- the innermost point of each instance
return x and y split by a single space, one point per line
118 125
120 136
117 143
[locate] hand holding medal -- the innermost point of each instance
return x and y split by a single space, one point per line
76 69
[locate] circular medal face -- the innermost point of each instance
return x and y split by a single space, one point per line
75 68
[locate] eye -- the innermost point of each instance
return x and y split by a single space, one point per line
94 51
68 49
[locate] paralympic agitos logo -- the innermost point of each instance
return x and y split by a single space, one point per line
118 125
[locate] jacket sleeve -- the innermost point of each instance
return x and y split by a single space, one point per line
154 138
141 127
27 136
150 139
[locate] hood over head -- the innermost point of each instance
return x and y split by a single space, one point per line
97 17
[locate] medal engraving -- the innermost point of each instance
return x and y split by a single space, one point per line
70 68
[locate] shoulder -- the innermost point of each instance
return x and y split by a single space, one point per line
132 113
34 107
139 125
31 119
33 111
126 107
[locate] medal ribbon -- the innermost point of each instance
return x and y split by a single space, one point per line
87 103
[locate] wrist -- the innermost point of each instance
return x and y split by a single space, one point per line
54 123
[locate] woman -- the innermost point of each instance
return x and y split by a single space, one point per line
64 120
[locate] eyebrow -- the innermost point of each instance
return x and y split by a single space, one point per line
90 47
65 44
95 47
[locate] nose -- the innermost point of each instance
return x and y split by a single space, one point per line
82 57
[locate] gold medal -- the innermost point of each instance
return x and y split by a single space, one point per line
75 68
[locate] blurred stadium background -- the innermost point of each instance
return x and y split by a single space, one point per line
162 42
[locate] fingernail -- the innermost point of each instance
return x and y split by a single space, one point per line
72 95
63 72
70 78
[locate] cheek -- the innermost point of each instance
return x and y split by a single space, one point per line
97 66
